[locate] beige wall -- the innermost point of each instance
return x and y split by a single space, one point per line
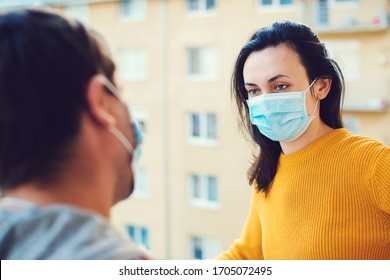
147 212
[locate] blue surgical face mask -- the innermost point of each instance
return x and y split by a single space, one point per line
281 116
138 140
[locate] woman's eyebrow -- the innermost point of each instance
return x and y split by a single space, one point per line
269 81
251 84
277 77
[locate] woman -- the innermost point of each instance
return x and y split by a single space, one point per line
320 192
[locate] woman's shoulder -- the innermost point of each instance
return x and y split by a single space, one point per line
360 143
356 150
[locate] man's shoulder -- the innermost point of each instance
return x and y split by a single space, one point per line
61 232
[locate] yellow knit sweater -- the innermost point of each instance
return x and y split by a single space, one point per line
330 200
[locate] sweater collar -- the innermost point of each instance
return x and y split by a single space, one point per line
312 149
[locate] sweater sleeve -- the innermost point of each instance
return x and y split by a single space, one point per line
248 246
381 180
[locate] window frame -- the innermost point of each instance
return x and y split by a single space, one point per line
208 63
204 126
202 8
209 247
336 4
140 57
70 9
203 200
133 17
275 6
138 236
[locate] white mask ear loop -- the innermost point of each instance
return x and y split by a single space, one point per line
122 139
119 135
315 107
311 84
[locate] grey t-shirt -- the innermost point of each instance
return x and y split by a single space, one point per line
60 232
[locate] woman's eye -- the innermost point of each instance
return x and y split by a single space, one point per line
281 87
253 92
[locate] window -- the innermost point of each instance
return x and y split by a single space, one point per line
202 6
133 9
322 13
139 234
348 2
140 115
79 12
274 3
141 186
203 190
202 127
202 63
132 64
351 123
203 248
347 55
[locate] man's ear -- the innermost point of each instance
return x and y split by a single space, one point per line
323 87
97 99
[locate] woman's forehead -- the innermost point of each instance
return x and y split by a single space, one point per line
281 56
271 62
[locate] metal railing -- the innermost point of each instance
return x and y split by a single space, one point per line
325 16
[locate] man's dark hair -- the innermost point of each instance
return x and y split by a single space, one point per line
46 62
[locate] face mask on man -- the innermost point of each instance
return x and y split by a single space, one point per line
281 116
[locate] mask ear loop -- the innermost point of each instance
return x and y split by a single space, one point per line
122 139
311 84
119 135
315 107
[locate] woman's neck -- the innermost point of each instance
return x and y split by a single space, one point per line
316 130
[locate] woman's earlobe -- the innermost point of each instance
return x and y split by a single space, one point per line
324 88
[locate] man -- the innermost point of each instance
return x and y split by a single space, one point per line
66 142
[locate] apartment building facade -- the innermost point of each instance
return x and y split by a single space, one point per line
175 59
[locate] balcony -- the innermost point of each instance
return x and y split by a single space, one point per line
374 105
6 4
367 96
327 18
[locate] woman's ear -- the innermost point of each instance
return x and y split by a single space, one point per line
322 87
98 102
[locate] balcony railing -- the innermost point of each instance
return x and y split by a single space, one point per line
326 18
367 95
